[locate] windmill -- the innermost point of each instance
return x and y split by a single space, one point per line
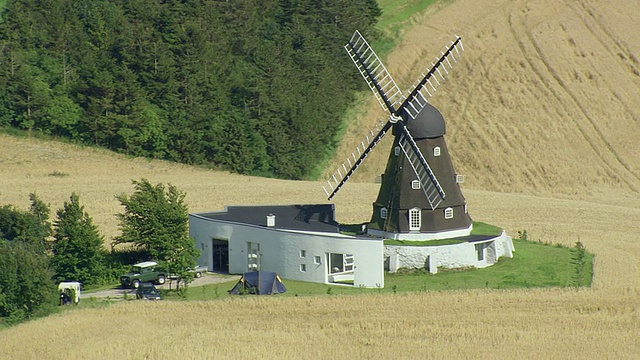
420 196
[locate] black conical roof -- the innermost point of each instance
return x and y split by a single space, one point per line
428 124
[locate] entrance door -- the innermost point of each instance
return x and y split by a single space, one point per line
220 250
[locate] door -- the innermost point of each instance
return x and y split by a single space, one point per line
220 250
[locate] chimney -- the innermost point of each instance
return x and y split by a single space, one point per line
271 220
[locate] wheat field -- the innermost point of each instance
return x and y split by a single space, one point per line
543 119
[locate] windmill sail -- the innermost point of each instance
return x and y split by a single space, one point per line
391 99
374 72
428 182
344 172
425 89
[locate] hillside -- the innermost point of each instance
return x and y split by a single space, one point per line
542 118
544 100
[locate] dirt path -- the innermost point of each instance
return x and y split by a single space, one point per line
119 293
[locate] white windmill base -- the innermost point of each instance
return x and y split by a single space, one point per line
478 254
421 236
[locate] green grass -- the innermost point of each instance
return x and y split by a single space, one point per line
534 265
423 243
480 228
396 16
396 13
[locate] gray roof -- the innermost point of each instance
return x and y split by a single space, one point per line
317 218
428 124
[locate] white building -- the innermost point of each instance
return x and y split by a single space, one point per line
299 242
303 242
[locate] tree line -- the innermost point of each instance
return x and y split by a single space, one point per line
256 87
36 254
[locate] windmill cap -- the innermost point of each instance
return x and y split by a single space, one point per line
429 123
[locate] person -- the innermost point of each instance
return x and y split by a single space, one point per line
65 298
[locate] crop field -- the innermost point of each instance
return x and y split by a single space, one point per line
543 119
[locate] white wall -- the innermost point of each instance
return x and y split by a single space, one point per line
448 256
280 250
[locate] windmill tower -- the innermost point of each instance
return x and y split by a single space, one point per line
420 196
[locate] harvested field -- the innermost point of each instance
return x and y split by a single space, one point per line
543 119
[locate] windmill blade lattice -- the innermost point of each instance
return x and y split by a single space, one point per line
374 72
425 88
428 181
344 172
391 99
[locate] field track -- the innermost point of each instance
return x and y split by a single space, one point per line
543 118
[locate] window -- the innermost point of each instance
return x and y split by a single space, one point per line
436 151
303 267
459 179
448 213
303 253
415 219
396 150
415 184
465 209
480 251
383 213
317 260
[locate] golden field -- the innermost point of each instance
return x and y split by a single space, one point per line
543 119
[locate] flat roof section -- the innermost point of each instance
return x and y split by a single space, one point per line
315 217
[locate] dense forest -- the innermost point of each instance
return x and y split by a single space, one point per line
256 87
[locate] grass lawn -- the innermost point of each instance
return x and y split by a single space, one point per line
533 265
395 17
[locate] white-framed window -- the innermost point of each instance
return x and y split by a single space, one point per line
415 184
465 208
459 179
396 150
303 253
383 213
317 260
436 151
448 213
415 219
303 267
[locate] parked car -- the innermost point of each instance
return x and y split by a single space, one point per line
146 291
146 271
197 272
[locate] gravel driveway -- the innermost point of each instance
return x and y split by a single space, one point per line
118 293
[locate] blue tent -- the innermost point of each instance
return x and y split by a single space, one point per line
259 283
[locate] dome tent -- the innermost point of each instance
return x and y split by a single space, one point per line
259 283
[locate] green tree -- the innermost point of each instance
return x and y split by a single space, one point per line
256 87
156 219
78 253
31 228
26 285
579 260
